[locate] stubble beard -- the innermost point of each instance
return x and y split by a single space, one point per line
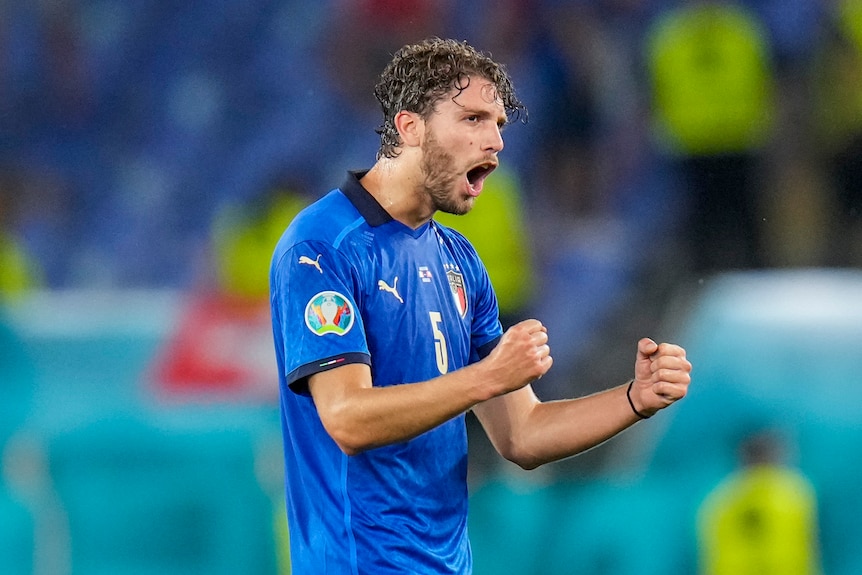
440 183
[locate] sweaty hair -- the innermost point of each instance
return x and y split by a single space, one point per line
420 75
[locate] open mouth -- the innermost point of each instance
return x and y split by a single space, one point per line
476 176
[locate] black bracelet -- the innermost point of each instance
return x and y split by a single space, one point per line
629 397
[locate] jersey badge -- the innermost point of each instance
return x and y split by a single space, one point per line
456 282
393 289
425 274
311 262
329 312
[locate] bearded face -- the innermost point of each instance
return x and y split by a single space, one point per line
441 179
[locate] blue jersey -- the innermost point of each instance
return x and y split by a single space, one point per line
350 284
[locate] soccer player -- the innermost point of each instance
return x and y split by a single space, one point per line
386 334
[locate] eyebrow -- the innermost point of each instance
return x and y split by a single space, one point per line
502 120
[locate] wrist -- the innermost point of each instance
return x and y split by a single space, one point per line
482 383
636 411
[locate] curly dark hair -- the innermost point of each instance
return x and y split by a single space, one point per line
420 75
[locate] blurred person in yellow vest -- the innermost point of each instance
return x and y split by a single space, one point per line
501 237
837 74
222 343
762 519
244 236
712 84
19 273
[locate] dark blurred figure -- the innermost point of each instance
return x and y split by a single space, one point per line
581 68
837 71
796 206
762 519
712 84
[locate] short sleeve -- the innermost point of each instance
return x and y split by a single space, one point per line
316 320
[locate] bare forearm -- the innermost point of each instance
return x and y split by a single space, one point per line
556 430
559 429
531 433
376 416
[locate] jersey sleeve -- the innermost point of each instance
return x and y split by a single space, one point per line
317 325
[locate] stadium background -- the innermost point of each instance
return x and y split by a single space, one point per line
139 423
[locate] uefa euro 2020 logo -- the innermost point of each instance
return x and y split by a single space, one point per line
329 312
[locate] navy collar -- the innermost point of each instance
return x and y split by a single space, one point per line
367 206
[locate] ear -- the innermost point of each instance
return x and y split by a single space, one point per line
411 128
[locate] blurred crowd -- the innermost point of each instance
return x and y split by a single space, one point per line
720 134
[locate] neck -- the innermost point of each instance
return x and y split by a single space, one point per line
399 190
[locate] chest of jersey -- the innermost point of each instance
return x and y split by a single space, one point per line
415 305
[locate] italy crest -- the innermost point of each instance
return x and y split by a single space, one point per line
456 283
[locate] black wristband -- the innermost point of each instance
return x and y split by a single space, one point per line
629 397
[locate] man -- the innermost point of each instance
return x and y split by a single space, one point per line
386 334
762 518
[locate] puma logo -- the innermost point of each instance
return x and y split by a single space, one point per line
393 289
311 262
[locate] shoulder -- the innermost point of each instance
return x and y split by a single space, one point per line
320 226
322 220
325 220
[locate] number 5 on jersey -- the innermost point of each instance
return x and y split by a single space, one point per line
439 342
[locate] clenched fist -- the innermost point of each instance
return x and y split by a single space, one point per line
522 356
662 376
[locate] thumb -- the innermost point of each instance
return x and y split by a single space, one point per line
646 348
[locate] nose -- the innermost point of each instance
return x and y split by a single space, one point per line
494 141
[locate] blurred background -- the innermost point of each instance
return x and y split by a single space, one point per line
689 171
